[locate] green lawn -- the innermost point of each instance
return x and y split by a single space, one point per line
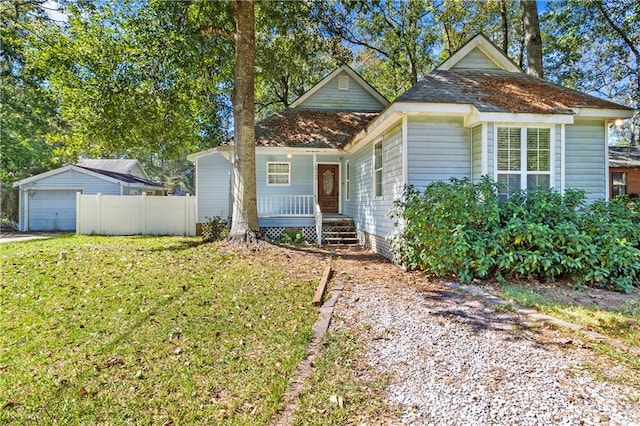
147 330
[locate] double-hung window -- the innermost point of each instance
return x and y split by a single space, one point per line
619 183
377 169
523 159
279 174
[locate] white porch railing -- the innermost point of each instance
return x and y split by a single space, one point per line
318 218
285 205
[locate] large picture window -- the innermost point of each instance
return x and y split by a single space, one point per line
278 173
377 169
523 159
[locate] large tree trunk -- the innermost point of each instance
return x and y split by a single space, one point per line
244 223
505 26
532 36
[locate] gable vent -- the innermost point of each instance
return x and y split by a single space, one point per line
343 82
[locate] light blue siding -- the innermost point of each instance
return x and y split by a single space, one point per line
370 213
438 149
475 59
331 97
301 175
585 158
213 187
476 142
69 180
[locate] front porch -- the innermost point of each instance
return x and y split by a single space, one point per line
279 213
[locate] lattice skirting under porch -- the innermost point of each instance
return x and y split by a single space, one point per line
275 232
375 243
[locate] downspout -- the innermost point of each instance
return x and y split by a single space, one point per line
607 194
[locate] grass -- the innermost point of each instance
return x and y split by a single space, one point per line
147 330
623 325
341 391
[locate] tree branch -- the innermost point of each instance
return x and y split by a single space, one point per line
207 31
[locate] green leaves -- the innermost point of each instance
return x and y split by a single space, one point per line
461 229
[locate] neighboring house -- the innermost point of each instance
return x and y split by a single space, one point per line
48 200
342 148
624 171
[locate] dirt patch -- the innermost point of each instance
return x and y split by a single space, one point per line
368 268
564 293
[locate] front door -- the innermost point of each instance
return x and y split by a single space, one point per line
328 185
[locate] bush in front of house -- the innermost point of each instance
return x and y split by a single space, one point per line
214 229
463 229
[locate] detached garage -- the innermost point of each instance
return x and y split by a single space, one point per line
48 200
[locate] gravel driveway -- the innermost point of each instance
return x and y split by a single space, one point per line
455 360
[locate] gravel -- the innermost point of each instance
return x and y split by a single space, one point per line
453 359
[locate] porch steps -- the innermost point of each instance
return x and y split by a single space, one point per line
339 230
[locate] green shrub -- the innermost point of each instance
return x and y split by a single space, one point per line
462 229
214 229
293 237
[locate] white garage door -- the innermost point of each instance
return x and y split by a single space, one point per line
52 210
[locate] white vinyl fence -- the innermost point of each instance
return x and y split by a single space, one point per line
135 215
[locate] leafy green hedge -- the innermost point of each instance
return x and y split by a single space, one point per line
463 229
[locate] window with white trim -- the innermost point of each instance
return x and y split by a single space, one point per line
619 183
278 174
377 168
347 183
523 159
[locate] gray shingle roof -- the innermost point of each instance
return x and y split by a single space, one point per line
124 177
501 91
624 156
114 165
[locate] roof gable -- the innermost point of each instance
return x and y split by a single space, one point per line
342 90
479 53
108 176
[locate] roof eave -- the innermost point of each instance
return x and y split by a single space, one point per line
603 113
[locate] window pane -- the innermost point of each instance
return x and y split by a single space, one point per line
509 185
378 155
619 178
509 149
278 173
378 183
538 150
538 182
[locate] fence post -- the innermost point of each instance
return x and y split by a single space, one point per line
78 212
144 212
99 201
186 216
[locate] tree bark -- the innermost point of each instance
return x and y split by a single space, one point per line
532 37
244 223
505 26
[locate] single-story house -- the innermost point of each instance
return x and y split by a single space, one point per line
342 150
624 171
47 202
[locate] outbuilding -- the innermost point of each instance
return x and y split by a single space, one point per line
48 200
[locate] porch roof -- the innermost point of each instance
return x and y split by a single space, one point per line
309 128
501 91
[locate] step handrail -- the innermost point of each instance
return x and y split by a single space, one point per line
317 213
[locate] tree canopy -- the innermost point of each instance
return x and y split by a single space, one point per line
152 79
